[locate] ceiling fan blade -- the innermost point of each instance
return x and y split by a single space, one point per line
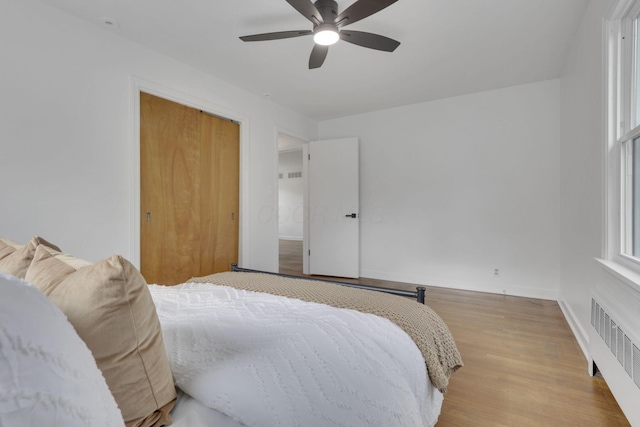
308 10
360 10
275 36
372 41
318 55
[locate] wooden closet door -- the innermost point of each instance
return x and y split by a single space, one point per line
220 178
188 227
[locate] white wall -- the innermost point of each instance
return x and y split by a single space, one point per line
583 219
581 154
455 188
290 196
66 135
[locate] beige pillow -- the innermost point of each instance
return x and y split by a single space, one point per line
50 267
7 247
110 306
15 259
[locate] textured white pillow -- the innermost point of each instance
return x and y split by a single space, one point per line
48 376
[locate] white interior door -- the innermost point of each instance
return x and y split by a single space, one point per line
334 215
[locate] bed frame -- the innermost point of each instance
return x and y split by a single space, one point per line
418 294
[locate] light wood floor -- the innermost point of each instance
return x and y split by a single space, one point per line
523 366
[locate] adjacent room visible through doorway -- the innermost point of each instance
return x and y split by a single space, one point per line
291 257
290 204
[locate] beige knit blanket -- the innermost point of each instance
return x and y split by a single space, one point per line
422 324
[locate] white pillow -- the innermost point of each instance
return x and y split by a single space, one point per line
48 376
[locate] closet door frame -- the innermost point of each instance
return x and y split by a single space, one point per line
141 85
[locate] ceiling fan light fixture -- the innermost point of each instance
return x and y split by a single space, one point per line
326 35
328 27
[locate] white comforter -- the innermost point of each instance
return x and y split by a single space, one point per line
272 361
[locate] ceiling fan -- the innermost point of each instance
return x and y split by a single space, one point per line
328 27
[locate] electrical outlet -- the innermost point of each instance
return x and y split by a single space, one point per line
496 272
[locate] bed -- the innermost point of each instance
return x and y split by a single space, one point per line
233 349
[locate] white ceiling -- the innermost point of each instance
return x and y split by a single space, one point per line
448 47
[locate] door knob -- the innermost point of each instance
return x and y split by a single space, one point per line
351 215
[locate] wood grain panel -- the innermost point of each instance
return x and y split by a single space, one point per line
189 166
220 178
169 188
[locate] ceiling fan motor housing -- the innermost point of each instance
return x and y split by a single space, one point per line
328 9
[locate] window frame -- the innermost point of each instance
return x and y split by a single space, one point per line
622 96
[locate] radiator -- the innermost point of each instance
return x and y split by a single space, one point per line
615 350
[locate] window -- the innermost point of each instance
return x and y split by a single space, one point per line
623 154
631 198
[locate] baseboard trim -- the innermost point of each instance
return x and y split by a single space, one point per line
518 291
578 331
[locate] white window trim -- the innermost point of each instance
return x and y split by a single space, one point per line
619 114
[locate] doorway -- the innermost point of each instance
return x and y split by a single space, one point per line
327 207
291 188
